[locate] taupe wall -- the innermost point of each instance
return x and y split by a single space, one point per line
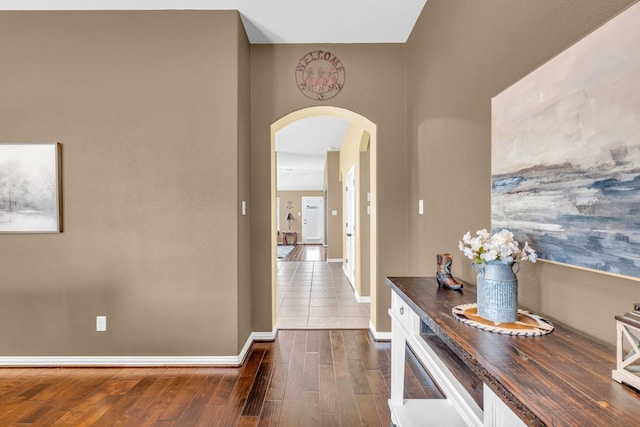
164 120
334 203
244 186
374 88
295 197
146 106
459 56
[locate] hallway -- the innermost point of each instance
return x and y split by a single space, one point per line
317 295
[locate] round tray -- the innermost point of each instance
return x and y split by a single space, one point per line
528 324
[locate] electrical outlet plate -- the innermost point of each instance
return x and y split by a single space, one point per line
101 323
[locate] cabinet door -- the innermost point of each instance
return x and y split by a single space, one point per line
497 413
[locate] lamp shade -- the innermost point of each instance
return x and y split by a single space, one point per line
289 217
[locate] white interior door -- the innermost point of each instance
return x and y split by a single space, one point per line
312 220
350 225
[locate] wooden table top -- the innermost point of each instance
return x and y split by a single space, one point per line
560 379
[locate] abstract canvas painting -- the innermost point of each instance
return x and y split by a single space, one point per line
566 153
30 188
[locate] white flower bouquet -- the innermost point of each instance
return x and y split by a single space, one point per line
485 247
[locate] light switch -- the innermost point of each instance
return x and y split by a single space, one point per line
420 207
334 213
244 207
101 323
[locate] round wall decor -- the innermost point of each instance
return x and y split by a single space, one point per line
320 75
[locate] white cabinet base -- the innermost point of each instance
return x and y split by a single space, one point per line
459 408
426 412
497 413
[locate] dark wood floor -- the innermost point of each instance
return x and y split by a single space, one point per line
304 378
299 253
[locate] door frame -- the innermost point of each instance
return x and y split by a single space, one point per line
351 227
379 308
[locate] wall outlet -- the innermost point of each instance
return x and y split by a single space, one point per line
334 213
101 323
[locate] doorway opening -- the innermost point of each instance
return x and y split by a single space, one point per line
319 218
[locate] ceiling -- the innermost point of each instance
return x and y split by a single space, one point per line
301 150
278 21
302 145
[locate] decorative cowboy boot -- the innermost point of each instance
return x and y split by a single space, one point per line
443 272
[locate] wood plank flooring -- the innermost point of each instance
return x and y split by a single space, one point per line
304 378
302 253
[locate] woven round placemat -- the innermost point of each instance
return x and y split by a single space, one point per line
528 324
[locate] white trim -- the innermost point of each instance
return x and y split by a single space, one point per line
359 298
98 361
362 300
334 260
344 271
263 336
378 336
351 229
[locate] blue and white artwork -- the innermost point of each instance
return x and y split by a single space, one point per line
566 153
29 188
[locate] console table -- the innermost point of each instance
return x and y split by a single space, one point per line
289 237
490 379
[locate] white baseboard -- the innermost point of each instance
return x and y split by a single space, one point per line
255 336
102 361
362 300
378 336
334 260
355 292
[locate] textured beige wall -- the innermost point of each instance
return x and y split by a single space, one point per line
244 187
150 166
334 202
295 197
140 102
374 88
459 56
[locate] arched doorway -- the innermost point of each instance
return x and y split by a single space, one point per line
364 132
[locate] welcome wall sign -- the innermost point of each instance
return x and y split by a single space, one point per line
320 75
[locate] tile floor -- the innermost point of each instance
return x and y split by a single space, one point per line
317 295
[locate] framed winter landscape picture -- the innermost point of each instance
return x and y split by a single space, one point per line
566 153
30 188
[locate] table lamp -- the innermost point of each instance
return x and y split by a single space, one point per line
289 218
